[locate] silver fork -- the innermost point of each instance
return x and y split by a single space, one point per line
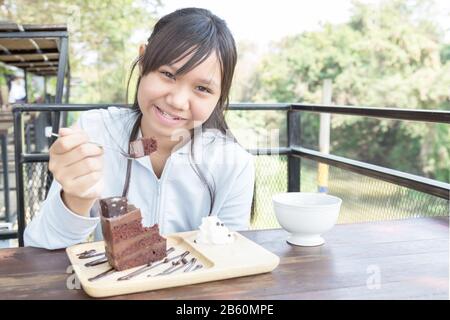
124 154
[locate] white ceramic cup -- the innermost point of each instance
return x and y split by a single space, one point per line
306 215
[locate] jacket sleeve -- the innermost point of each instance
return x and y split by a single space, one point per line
55 226
236 209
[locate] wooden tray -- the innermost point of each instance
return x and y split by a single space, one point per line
241 258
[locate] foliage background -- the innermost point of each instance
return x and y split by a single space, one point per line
392 55
387 55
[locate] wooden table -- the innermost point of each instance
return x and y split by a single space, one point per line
404 259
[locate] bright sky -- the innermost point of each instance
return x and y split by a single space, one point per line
264 20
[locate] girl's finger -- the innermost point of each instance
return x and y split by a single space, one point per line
69 141
84 167
68 131
86 182
79 153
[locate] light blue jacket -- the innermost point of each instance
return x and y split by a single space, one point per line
177 201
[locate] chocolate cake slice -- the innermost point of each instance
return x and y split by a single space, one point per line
142 147
128 243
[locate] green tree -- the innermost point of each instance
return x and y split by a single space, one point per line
100 39
391 55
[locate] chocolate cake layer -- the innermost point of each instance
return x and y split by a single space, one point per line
122 227
144 256
127 242
129 246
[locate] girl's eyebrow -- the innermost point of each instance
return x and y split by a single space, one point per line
209 82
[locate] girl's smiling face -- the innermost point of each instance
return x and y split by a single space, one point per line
170 103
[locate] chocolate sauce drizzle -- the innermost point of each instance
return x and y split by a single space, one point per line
181 260
96 262
178 262
90 254
199 266
190 264
185 264
103 274
144 268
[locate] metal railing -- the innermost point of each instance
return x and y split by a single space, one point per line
294 151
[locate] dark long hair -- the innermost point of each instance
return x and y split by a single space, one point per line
200 33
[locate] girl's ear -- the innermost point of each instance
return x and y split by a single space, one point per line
141 53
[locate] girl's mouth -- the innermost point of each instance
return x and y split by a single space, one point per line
165 118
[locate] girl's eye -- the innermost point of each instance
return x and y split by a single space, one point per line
168 74
203 89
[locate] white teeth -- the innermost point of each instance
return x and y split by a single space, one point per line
168 115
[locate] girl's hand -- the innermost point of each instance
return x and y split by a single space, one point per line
78 167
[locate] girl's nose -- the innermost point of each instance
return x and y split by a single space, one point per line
178 98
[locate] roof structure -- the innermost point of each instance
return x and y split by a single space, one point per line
42 50
37 50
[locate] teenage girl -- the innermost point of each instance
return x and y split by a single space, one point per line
199 169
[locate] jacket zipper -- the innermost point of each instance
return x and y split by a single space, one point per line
158 205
